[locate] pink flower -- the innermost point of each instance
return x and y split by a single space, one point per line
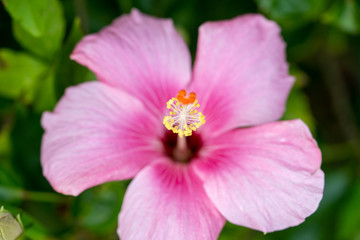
237 166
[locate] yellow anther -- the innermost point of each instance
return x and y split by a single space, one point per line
184 116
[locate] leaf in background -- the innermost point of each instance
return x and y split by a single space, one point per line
8 177
125 5
298 107
30 14
44 93
303 43
349 219
68 72
97 14
232 231
26 139
5 144
98 208
298 104
344 15
292 13
49 41
18 74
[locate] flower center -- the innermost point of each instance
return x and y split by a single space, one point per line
184 117
182 150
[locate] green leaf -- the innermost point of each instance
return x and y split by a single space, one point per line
231 231
298 104
125 5
18 74
298 107
44 95
26 157
5 144
349 219
68 72
30 14
8 177
292 13
49 41
98 208
345 15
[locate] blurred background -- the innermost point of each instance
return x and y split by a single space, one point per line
37 36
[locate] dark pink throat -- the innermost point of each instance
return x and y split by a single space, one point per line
183 153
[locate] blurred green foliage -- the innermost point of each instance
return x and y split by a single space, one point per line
37 37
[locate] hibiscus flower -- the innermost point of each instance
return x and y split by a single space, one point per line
197 159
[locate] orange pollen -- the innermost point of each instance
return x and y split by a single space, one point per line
181 96
184 117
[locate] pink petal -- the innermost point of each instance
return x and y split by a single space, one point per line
167 201
240 74
141 55
96 134
267 177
